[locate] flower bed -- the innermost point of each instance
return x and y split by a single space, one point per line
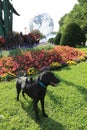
56 57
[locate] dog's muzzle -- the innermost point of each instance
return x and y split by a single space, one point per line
55 82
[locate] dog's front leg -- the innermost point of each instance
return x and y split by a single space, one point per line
18 92
36 109
42 105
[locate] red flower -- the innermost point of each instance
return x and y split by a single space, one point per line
1 64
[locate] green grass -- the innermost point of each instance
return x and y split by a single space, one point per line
83 48
65 104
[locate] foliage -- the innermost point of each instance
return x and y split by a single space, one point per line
57 38
82 1
37 32
81 58
2 40
51 40
37 59
47 46
7 76
61 22
21 51
65 104
33 37
73 35
78 15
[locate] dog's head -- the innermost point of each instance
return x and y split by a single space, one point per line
48 78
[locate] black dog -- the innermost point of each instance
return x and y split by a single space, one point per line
36 89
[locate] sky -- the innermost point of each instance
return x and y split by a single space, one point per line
28 9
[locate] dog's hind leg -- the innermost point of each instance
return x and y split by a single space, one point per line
18 88
36 109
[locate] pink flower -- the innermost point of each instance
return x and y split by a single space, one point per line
1 64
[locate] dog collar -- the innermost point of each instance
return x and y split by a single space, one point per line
41 84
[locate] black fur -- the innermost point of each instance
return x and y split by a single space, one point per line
36 89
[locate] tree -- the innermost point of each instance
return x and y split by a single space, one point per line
61 21
78 15
73 35
82 1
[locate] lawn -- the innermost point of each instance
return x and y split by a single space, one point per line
66 104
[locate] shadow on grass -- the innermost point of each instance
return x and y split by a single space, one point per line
45 123
80 88
54 98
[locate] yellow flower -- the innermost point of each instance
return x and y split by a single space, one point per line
81 58
70 62
55 65
31 71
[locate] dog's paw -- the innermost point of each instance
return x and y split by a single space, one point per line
45 115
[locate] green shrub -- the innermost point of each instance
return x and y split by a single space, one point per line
51 40
73 35
57 38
